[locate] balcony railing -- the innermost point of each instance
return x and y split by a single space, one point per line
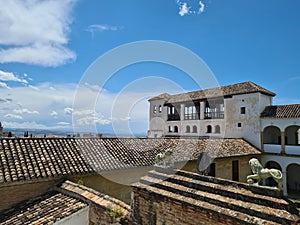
173 117
192 116
214 115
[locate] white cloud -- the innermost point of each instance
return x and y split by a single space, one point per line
35 32
4 85
202 6
68 110
24 111
102 27
63 123
185 9
54 113
13 116
8 76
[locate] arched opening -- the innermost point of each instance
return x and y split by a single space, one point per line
272 165
217 129
292 135
272 135
293 179
194 129
208 129
188 129
175 129
170 129
160 108
154 109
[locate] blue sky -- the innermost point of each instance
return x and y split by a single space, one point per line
46 47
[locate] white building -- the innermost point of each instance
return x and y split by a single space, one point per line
242 110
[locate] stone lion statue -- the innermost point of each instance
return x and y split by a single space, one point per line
164 159
260 173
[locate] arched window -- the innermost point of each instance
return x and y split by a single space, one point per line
175 129
170 129
272 135
208 129
188 129
159 108
154 109
217 129
194 129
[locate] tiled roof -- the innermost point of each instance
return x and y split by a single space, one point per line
233 89
246 204
281 111
23 159
46 209
93 196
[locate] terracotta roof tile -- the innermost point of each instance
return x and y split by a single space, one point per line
91 195
281 111
241 201
45 209
233 89
23 159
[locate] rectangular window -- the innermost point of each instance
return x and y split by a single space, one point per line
173 113
192 111
235 170
239 124
212 170
243 110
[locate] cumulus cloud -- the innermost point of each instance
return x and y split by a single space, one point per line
8 76
54 114
13 116
24 111
185 9
4 85
35 32
68 111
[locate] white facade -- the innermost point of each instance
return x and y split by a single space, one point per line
237 115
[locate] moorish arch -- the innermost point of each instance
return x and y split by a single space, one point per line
292 135
272 135
293 179
272 165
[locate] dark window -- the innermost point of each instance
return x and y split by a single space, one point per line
192 111
160 108
170 129
175 129
217 129
194 129
239 124
173 113
243 110
212 170
235 170
188 129
208 129
214 109
154 109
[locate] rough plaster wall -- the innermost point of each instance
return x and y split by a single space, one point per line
250 130
156 120
79 218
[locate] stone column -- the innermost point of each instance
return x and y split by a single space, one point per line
284 183
182 111
202 110
262 141
282 142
